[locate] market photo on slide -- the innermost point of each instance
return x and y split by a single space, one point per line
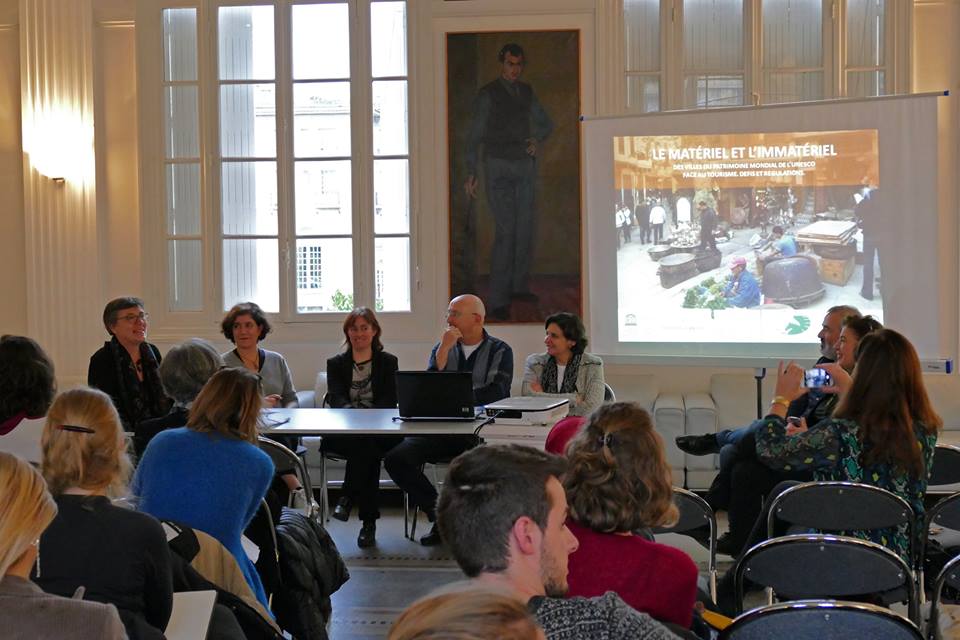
745 237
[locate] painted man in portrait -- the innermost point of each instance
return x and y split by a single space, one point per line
508 125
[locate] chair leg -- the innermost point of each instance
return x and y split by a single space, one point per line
406 515
324 493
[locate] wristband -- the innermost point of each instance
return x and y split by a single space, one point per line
781 400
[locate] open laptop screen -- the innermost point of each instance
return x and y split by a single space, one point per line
435 394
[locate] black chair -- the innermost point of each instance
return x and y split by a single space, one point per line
694 514
608 394
824 566
946 514
285 458
821 620
945 469
949 576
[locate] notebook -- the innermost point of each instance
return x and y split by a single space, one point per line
435 395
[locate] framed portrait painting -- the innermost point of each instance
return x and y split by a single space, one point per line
513 107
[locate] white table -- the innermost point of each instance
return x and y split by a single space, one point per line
358 422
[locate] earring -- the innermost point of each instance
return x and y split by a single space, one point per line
36 543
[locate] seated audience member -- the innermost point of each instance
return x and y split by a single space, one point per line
27 386
503 514
466 612
562 433
26 612
565 370
883 433
464 346
245 325
127 367
211 475
118 555
744 480
183 373
618 481
364 376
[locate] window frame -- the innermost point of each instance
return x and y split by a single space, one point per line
153 228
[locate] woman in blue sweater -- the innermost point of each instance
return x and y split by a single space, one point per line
211 475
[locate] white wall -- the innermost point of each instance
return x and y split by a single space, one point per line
306 346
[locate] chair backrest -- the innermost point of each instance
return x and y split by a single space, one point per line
948 576
695 512
946 466
608 394
841 506
820 620
818 566
946 514
284 458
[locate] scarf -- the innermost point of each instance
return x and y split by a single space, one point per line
548 379
140 400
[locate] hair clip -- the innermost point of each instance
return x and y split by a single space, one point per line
75 428
606 440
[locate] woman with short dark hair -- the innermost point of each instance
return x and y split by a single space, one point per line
126 367
565 370
245 325
618 482
362 377
27 386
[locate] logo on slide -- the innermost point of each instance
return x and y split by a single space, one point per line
798 326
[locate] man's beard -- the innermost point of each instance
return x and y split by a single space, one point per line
554 583
827 351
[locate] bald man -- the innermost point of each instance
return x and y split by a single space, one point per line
464 346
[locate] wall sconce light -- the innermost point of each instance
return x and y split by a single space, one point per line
59 144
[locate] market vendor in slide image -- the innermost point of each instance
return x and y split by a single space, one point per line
743 290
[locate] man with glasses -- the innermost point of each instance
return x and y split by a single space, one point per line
464 346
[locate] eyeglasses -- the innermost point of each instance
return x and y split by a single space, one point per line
133 317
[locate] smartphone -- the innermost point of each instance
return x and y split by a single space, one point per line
816 378
794 420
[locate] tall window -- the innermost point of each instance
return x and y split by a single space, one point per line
712 53
301 110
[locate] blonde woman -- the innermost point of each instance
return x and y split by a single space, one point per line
466 612
117 555
211 475
26 612
618 482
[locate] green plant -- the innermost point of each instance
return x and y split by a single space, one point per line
342 301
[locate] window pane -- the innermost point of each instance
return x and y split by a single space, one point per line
321 41
865 84
713 91
249 198
792 33
180 124
641 34
321 119
179 44
184 279
246 43
388 38
643 94
323 198
391 196
792 87
865 41
324 275
250 273
392 274
248 121
390 117
713 34
183 199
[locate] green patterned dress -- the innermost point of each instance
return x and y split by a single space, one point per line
833 451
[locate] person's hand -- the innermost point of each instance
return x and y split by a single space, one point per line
536 387
451 335
841 379
470 186
794 428
532 147
789 381
273 400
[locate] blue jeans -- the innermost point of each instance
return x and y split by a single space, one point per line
728 438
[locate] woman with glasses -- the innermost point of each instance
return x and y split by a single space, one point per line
210 474
362 377
119 556
26 612
126 367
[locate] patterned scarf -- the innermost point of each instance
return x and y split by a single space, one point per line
548 379
141 400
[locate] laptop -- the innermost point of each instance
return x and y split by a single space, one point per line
435 395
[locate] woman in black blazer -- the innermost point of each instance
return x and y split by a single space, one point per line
362 377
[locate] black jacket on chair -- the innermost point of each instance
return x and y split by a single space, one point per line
383 379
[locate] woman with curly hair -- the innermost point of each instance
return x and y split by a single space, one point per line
619 482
